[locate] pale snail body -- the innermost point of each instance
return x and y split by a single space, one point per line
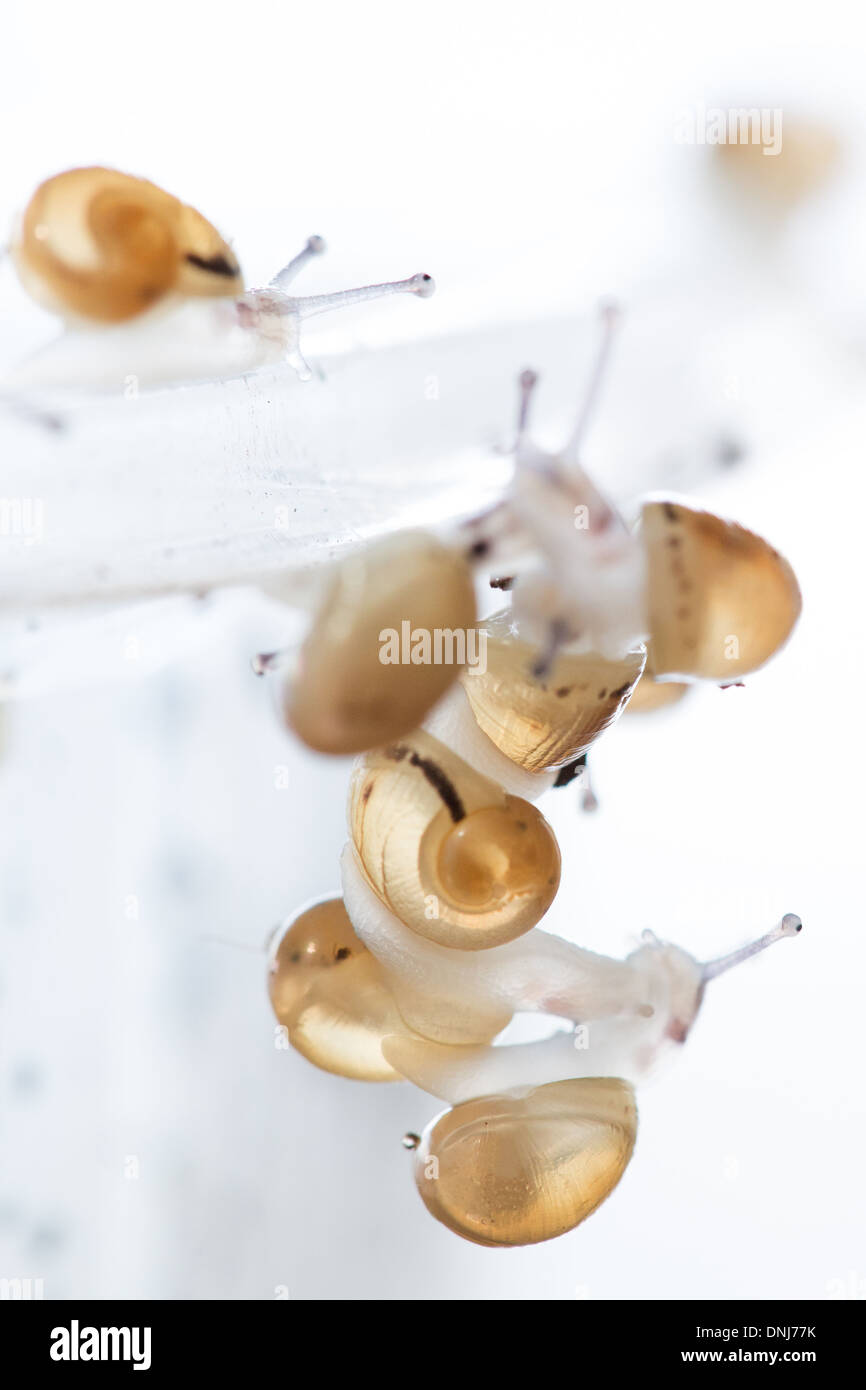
453 723
628 1044
103 249
331 996
463 997
447 850
342 697
714 600
587 585
506 1171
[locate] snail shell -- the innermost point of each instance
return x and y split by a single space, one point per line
452 855
720 600
796 168
505 1170
651 694
344 698
331 995
99 245
543 724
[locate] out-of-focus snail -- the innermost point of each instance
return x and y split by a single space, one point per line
713 600
99 246
514 1170
330 994
651 694
349 691
455 857
720 600
772 168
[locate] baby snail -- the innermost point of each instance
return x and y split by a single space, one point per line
99 246
639 1011
720 601
354 685
773 172
514 1170
452 855
714 600
330 995
516 1166
103 248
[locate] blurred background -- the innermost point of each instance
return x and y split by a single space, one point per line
156 821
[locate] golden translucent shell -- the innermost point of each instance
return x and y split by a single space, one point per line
99 245
720 600
450 853
331 996
800 163
651 694
543 724
503 1170
344 698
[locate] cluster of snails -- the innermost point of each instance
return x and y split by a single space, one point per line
103 249
434 944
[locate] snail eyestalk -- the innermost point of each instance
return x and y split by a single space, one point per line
790 925
610 316
421 285
315 246
263 663
527 381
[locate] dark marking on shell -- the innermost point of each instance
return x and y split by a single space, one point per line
435 775
215 265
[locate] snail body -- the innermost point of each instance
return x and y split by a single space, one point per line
712 600
456 996
625 1042
103 249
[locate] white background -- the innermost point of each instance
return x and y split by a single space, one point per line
525 155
